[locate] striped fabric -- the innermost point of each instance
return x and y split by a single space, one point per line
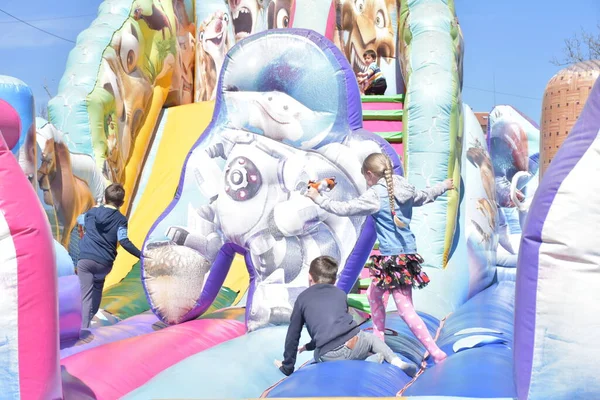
383 115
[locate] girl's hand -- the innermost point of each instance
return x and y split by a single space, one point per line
312 193
278 363
301 349
449 184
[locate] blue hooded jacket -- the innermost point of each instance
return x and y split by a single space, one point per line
105 226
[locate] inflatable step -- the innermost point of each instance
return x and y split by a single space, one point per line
360 302
396 98
382 115
363 284
392 137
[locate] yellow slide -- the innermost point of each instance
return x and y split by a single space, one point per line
181 129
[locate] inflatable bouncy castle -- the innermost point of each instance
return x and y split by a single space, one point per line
558 247
215 116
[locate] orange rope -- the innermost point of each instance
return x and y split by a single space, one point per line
423 363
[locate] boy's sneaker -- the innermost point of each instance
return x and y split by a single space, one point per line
409 369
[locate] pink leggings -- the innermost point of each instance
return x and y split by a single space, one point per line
403 298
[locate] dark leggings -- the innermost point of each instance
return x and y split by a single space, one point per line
378 87
91 278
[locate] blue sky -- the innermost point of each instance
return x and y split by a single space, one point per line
511 39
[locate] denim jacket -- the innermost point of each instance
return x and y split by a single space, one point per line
392 239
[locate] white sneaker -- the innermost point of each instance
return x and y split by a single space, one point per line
409 369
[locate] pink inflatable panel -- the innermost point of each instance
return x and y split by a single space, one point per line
28 290
115 369
399 148
382 106
383 126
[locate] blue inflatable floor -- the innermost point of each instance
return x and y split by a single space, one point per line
477 338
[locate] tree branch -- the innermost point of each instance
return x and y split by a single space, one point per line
578 48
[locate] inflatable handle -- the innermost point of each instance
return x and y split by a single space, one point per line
522 206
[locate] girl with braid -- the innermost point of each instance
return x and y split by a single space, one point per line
390 199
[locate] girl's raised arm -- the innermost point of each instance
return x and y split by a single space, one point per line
404 191
366 204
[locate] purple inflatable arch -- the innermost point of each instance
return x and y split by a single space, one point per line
558 264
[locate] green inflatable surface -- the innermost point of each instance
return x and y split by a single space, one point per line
360 302
128 298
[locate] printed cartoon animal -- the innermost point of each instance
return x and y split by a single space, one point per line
276 114
114 165
182 64
489 210
280 14
131 89
157 20
503 233
485 236
364 25
247 16
181 17
480 158
324 185
211 47
184 84
72 196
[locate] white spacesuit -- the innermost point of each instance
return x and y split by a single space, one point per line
256 200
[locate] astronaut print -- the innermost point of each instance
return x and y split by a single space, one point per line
244 183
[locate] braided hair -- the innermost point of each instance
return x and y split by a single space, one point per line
381 166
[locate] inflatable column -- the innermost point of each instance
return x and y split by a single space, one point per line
430 52
557 314
29 367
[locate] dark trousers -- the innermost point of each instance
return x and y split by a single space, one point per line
91 278
378 87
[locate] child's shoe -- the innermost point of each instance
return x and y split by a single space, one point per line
409 369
